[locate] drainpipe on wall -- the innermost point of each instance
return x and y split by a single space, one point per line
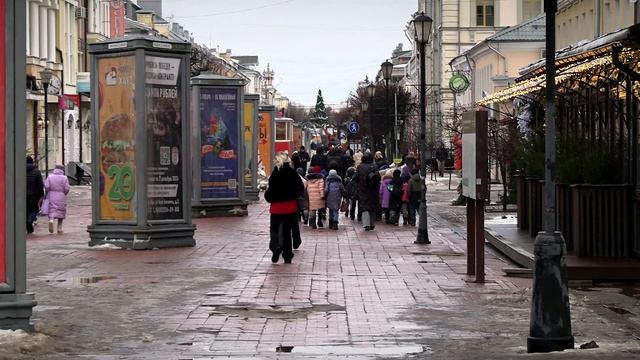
597 17
504 58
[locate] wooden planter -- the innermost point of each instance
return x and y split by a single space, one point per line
564 213
602 220
535 207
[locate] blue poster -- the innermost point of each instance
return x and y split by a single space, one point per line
219 117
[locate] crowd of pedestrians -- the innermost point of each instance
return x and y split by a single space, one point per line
311 189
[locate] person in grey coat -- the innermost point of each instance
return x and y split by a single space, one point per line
333 192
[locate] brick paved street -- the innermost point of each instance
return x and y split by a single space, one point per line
348 293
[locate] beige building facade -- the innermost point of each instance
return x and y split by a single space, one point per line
458 26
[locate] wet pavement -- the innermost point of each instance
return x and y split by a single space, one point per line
348 294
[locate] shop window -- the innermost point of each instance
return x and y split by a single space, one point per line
485 13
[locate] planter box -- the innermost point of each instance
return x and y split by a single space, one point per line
535 207
602 220
564 213
522 202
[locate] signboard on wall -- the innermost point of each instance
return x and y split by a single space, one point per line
219 142
117 129
117 19
164 138
249 113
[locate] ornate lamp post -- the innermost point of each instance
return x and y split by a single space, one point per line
422 27
387 70
45 77
371 92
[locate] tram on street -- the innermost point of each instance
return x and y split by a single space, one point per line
284 135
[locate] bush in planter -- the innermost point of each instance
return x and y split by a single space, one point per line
579 162
529 156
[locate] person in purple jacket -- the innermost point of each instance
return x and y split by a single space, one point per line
57 187
385 195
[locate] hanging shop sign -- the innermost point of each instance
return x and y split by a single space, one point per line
459 83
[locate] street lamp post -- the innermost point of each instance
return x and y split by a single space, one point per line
365 106
371 92
550 325
387 72
45 77
422 26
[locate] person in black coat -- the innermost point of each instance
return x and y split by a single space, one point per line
335 161
368 180
320 159
304 159
35 193
285 187
395 198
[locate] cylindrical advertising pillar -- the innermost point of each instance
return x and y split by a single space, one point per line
266 138
140 143
251 103
217 106
15 304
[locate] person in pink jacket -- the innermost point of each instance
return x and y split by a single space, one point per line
385 195
57 188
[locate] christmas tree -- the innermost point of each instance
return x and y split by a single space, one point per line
320 113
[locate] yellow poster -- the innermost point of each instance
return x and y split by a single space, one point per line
248 141
264 141
117 122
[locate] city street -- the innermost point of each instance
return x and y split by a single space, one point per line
349 293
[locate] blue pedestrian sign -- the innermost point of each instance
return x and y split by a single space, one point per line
353 127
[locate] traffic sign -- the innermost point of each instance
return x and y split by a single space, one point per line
353 127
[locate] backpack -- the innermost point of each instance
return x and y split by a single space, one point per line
373 178
395 190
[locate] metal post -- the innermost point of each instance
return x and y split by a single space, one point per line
388 115
374 147
423 235
46 131
80 127
396 130
550 326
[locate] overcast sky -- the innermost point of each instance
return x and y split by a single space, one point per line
311 44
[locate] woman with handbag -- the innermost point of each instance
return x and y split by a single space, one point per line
57 187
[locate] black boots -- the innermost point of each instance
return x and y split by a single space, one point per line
333 225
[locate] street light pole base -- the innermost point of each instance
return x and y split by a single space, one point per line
422 238
543 345
550 327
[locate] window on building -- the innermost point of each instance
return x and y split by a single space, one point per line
485 12
281 131
531 9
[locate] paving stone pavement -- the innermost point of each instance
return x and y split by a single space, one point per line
348 294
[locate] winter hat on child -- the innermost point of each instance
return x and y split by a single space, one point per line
333 172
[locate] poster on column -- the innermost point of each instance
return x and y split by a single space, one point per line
219 117
3 169
164 137
117 126
249 108
264 140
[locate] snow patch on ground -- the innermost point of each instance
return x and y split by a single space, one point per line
502 220
19 341
105 247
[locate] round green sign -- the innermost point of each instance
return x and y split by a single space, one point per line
458 83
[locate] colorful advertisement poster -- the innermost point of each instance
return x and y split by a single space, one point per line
264 140
219 117
117 11
117 122
164 137
249 109
3 122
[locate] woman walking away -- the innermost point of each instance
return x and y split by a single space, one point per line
35 192
333 190
285 187
416 187
57 187
315 189
385 195
368 180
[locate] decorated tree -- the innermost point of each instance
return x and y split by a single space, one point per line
320 112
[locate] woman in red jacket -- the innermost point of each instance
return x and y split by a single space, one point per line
285 187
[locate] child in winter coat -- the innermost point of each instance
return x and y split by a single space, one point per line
405 177
57 187
351 192
385 195
416 188
315 189
333 191
395 198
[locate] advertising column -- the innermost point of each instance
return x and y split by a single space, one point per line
250 146
15 303
218 170
266 141
140 143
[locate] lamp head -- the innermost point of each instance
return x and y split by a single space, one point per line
45 76
422 26
371 90
387 70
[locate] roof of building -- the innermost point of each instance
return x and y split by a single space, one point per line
246 59
530 30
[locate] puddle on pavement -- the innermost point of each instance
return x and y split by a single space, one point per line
91 279
272 311
618 310
398 350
